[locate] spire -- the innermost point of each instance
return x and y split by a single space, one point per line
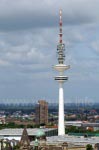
25 142
60 46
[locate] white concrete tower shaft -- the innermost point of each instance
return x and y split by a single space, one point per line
61 67
61 127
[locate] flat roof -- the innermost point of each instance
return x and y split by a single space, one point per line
78 140
19 131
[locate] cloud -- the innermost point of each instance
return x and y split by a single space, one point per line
29 14
95 46
28 40
26 47
4 63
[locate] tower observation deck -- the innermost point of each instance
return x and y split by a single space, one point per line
61 78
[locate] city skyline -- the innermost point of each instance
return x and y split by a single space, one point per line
28 43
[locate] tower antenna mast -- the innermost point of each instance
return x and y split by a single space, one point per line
61 67
61 45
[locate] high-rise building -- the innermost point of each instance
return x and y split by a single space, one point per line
41 116
61 67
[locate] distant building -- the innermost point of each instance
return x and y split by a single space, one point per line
41 111
2 120
96 147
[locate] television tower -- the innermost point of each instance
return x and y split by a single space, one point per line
61 67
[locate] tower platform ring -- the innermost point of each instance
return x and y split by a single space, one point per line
61 67
61 78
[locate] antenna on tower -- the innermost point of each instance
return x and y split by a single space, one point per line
61 45
61 78
60 25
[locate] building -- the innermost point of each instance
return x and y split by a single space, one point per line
73 123
61 78
41 116
96 147
26 141
32 132
2 120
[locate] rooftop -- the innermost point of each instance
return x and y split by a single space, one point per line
77 140
19 131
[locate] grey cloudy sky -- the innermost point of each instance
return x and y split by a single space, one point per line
28 41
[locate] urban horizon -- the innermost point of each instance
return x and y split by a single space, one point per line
76 100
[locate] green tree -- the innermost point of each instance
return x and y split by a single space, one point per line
16 147
89 147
